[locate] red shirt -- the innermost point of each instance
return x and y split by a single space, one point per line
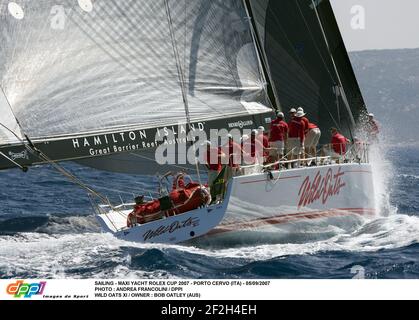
312 126
297 129
306 123
254 146
264 139
339 143
279 130
214 159
234 154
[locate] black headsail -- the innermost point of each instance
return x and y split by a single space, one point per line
86 79
308 61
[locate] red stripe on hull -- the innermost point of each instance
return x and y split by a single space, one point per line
287 218
265 180
358 171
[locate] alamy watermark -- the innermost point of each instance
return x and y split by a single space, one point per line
234 147
358 272
358 21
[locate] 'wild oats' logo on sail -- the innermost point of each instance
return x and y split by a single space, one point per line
321 188
175 226
22 155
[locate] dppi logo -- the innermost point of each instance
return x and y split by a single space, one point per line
321 188
20 289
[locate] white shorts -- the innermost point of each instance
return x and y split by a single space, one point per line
313 138
329 152
294 145
278 145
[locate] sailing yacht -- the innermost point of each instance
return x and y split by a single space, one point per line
107 83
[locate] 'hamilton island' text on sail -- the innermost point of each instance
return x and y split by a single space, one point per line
105 144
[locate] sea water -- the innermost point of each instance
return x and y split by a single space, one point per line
47 230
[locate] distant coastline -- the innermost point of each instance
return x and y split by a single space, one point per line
389 80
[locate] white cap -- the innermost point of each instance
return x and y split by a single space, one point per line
300 114
371 115
300 109
261 129
255 132
280 115
293 110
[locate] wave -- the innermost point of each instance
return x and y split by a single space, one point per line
96 255
48 224
408 176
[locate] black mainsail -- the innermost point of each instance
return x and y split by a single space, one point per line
308 61
86 78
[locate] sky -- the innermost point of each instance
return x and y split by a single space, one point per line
378 24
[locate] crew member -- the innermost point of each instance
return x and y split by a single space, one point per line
296 135
213 162
234 155
253 149
292 113
373 129
337 147
312 139
263 137
304 119
278 136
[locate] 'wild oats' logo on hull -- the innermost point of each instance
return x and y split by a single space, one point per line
322 188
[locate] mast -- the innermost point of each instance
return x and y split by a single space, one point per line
182 83
272 92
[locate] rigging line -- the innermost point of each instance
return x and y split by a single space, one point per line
182 82
13 113
262 58
170 165
344 97
312 38
306 70
31 148
181 75
133 191
12 132
42 156
23 168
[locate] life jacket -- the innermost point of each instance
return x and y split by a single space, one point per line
182 200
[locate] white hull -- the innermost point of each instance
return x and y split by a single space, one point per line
259 203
